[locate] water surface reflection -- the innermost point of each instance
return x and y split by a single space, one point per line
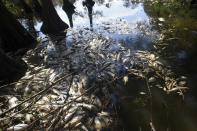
156 27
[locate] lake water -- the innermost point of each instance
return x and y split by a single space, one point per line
170 30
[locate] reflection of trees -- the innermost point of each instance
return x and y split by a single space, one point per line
176 30
69 8
100 2
97 13
82 14
108 5
137 43
89 4
79 13
130 4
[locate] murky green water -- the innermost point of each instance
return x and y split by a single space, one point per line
176 26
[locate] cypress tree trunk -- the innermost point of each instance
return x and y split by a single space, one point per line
52 24
12 34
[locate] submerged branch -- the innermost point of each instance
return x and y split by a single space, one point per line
39 93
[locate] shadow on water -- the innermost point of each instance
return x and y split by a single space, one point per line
139 109
177 27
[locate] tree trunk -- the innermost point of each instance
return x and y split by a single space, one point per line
12 34
10 69
52 24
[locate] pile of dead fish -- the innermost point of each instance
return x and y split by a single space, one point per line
68 84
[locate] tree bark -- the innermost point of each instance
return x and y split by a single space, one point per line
12 34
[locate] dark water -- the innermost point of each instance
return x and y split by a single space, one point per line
176 24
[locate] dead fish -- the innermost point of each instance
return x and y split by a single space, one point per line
125 60
101 122
102 56
74 86
37 87
44 108
125 79
182 83
45 98
27 90
152 57
88 106
151 79
46 57
142 93
19 116
53 97
111 74
84 127
90 121
103 113
98 124
19 86
85 99
119 56
84 81
19 127
96 101
176 89
159 86
12 102
161 19
69 114
91 55
105 66
56 92
75 120
52 77
183 78
27 77
28 118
